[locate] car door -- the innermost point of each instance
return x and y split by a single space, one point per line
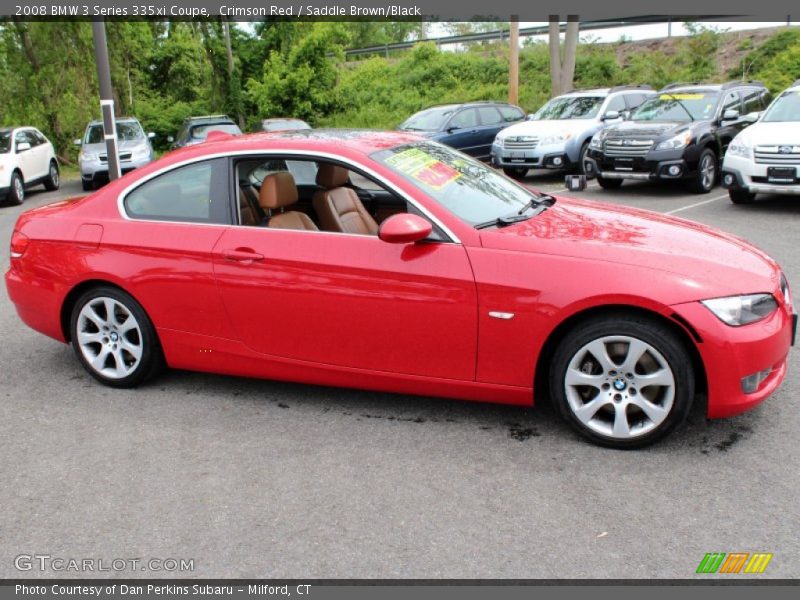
350 301
41 152
491 123
463 132
26 159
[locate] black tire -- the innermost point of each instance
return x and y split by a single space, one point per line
609 184
670 356
87 186
702 182
515 172
741 196
53 179
581 169
16 190
151 360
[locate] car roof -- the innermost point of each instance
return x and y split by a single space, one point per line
211 119
359 141
116 120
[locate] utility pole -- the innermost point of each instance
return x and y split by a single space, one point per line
513 66
106 97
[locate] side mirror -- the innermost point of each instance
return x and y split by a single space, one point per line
170 139
730 115
151 135
611 115
404 228
76 142
751 117
21 146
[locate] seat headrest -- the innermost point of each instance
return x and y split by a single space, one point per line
332 176
277 190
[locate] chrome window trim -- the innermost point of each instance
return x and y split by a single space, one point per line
279 152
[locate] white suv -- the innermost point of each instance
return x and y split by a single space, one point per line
765 157
558 135
27 158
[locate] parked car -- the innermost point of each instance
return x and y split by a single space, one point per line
195 129
27 158
134 147
765 157
558 134
283 124
621 314
469 127
680 134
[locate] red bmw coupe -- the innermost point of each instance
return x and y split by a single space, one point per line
389 262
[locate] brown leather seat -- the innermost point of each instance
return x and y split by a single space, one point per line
278 191
246 210
338 207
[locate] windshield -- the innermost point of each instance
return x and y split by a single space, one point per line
5 141
570 107
467 188
785 109
680 106
200 132
126 131
431 119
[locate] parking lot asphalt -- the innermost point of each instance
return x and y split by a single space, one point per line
255 478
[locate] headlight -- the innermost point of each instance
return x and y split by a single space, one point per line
675 143
742 310
787 293
597 140
555 139
141 152
87 155
739 148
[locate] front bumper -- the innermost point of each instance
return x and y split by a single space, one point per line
656 165
540 157
96 171
740 173
730 354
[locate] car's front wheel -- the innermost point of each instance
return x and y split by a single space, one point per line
113 338
515 172
87 186
53 179
706 176
741 196
622 381
609 184
16 191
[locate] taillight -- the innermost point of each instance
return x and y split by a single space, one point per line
19 243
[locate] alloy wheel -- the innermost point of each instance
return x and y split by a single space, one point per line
708 171
109 337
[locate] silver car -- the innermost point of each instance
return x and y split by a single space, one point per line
135 150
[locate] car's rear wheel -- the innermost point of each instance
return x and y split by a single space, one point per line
609 184
515 172
16 191
741 196
706 176
113 338
87 186
622 381
53 177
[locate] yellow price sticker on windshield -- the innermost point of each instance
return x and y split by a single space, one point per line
423 167
682 96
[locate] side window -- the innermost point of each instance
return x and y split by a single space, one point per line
634 100
617 103
730 102
24 136
752 101
195 193
766 98
466 118
489 115
39 137
510 113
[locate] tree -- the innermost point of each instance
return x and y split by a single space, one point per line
562 68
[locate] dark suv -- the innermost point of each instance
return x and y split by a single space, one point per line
681 133
195 129
469 127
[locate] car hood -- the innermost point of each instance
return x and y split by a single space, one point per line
771 134
121 145
543 128
649 129
709 262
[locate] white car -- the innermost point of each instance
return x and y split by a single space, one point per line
558 135
27 158
765 157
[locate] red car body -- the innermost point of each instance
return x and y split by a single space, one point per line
355 311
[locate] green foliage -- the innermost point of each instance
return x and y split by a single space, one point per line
776 62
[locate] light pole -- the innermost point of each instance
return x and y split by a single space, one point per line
106 97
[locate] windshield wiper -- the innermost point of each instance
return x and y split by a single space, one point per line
538 203
682 105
